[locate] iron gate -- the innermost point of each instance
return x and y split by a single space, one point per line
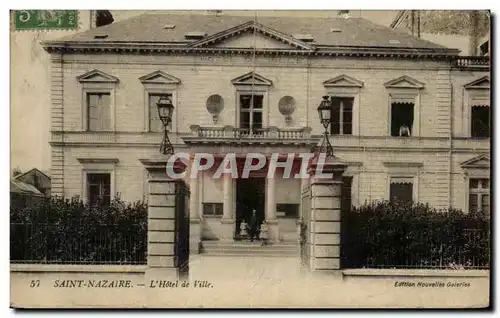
182 229
304 230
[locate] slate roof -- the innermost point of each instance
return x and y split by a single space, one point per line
355 32
33 170
17 186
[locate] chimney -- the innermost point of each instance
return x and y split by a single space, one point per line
473 32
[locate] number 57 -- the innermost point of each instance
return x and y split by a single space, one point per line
35 283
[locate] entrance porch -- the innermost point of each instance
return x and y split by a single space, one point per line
222 204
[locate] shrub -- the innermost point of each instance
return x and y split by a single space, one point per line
413 235
58 230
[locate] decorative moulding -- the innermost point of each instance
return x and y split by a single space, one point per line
482 161
482 83
98 160
392 164
343 81
252 78
96 76
159 77
404 82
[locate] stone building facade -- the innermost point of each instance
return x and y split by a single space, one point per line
104 127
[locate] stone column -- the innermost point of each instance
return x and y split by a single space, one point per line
227 221
161 221
324 225
271 220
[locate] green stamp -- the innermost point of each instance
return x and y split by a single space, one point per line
46 19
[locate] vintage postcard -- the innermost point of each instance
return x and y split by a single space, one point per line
250 159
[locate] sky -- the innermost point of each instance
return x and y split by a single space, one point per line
30 80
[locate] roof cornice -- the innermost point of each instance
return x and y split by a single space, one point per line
166 48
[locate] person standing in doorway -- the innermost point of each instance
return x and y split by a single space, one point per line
253 224
264 233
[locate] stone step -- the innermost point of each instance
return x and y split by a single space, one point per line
246 248
225 254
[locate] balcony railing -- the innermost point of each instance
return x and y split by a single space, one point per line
230 132
476 62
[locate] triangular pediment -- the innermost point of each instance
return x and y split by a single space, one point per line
241 36
343 81
248 40
404 82
482 161
96 76
159 77
252 78
483 82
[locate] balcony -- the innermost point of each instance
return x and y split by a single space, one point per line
480 63
269 135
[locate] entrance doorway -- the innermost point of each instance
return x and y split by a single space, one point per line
250 195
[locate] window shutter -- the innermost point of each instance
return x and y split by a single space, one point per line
335 116
105 110
154 120
347 116
93 112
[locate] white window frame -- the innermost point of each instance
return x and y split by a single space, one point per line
352 92
148 90
98 165
159 82
474 96
479 193
94 88
403 178
405 171
96 81
473 173
248 90
411 96
354 122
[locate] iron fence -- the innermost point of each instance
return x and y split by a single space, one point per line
78 243
375 249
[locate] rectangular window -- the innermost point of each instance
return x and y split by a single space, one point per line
346 203
402 119
99 188
155 124
479 195
251 111
341 115
401 190
99 111
480 121
212 209
288 210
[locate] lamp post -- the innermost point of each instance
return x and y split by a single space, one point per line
165 111
325 113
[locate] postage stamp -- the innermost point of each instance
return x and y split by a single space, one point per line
45 19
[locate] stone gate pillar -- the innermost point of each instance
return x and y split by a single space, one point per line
324 223
161 221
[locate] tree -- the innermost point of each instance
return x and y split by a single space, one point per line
462 22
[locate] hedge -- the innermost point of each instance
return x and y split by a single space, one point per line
413 235
58 230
